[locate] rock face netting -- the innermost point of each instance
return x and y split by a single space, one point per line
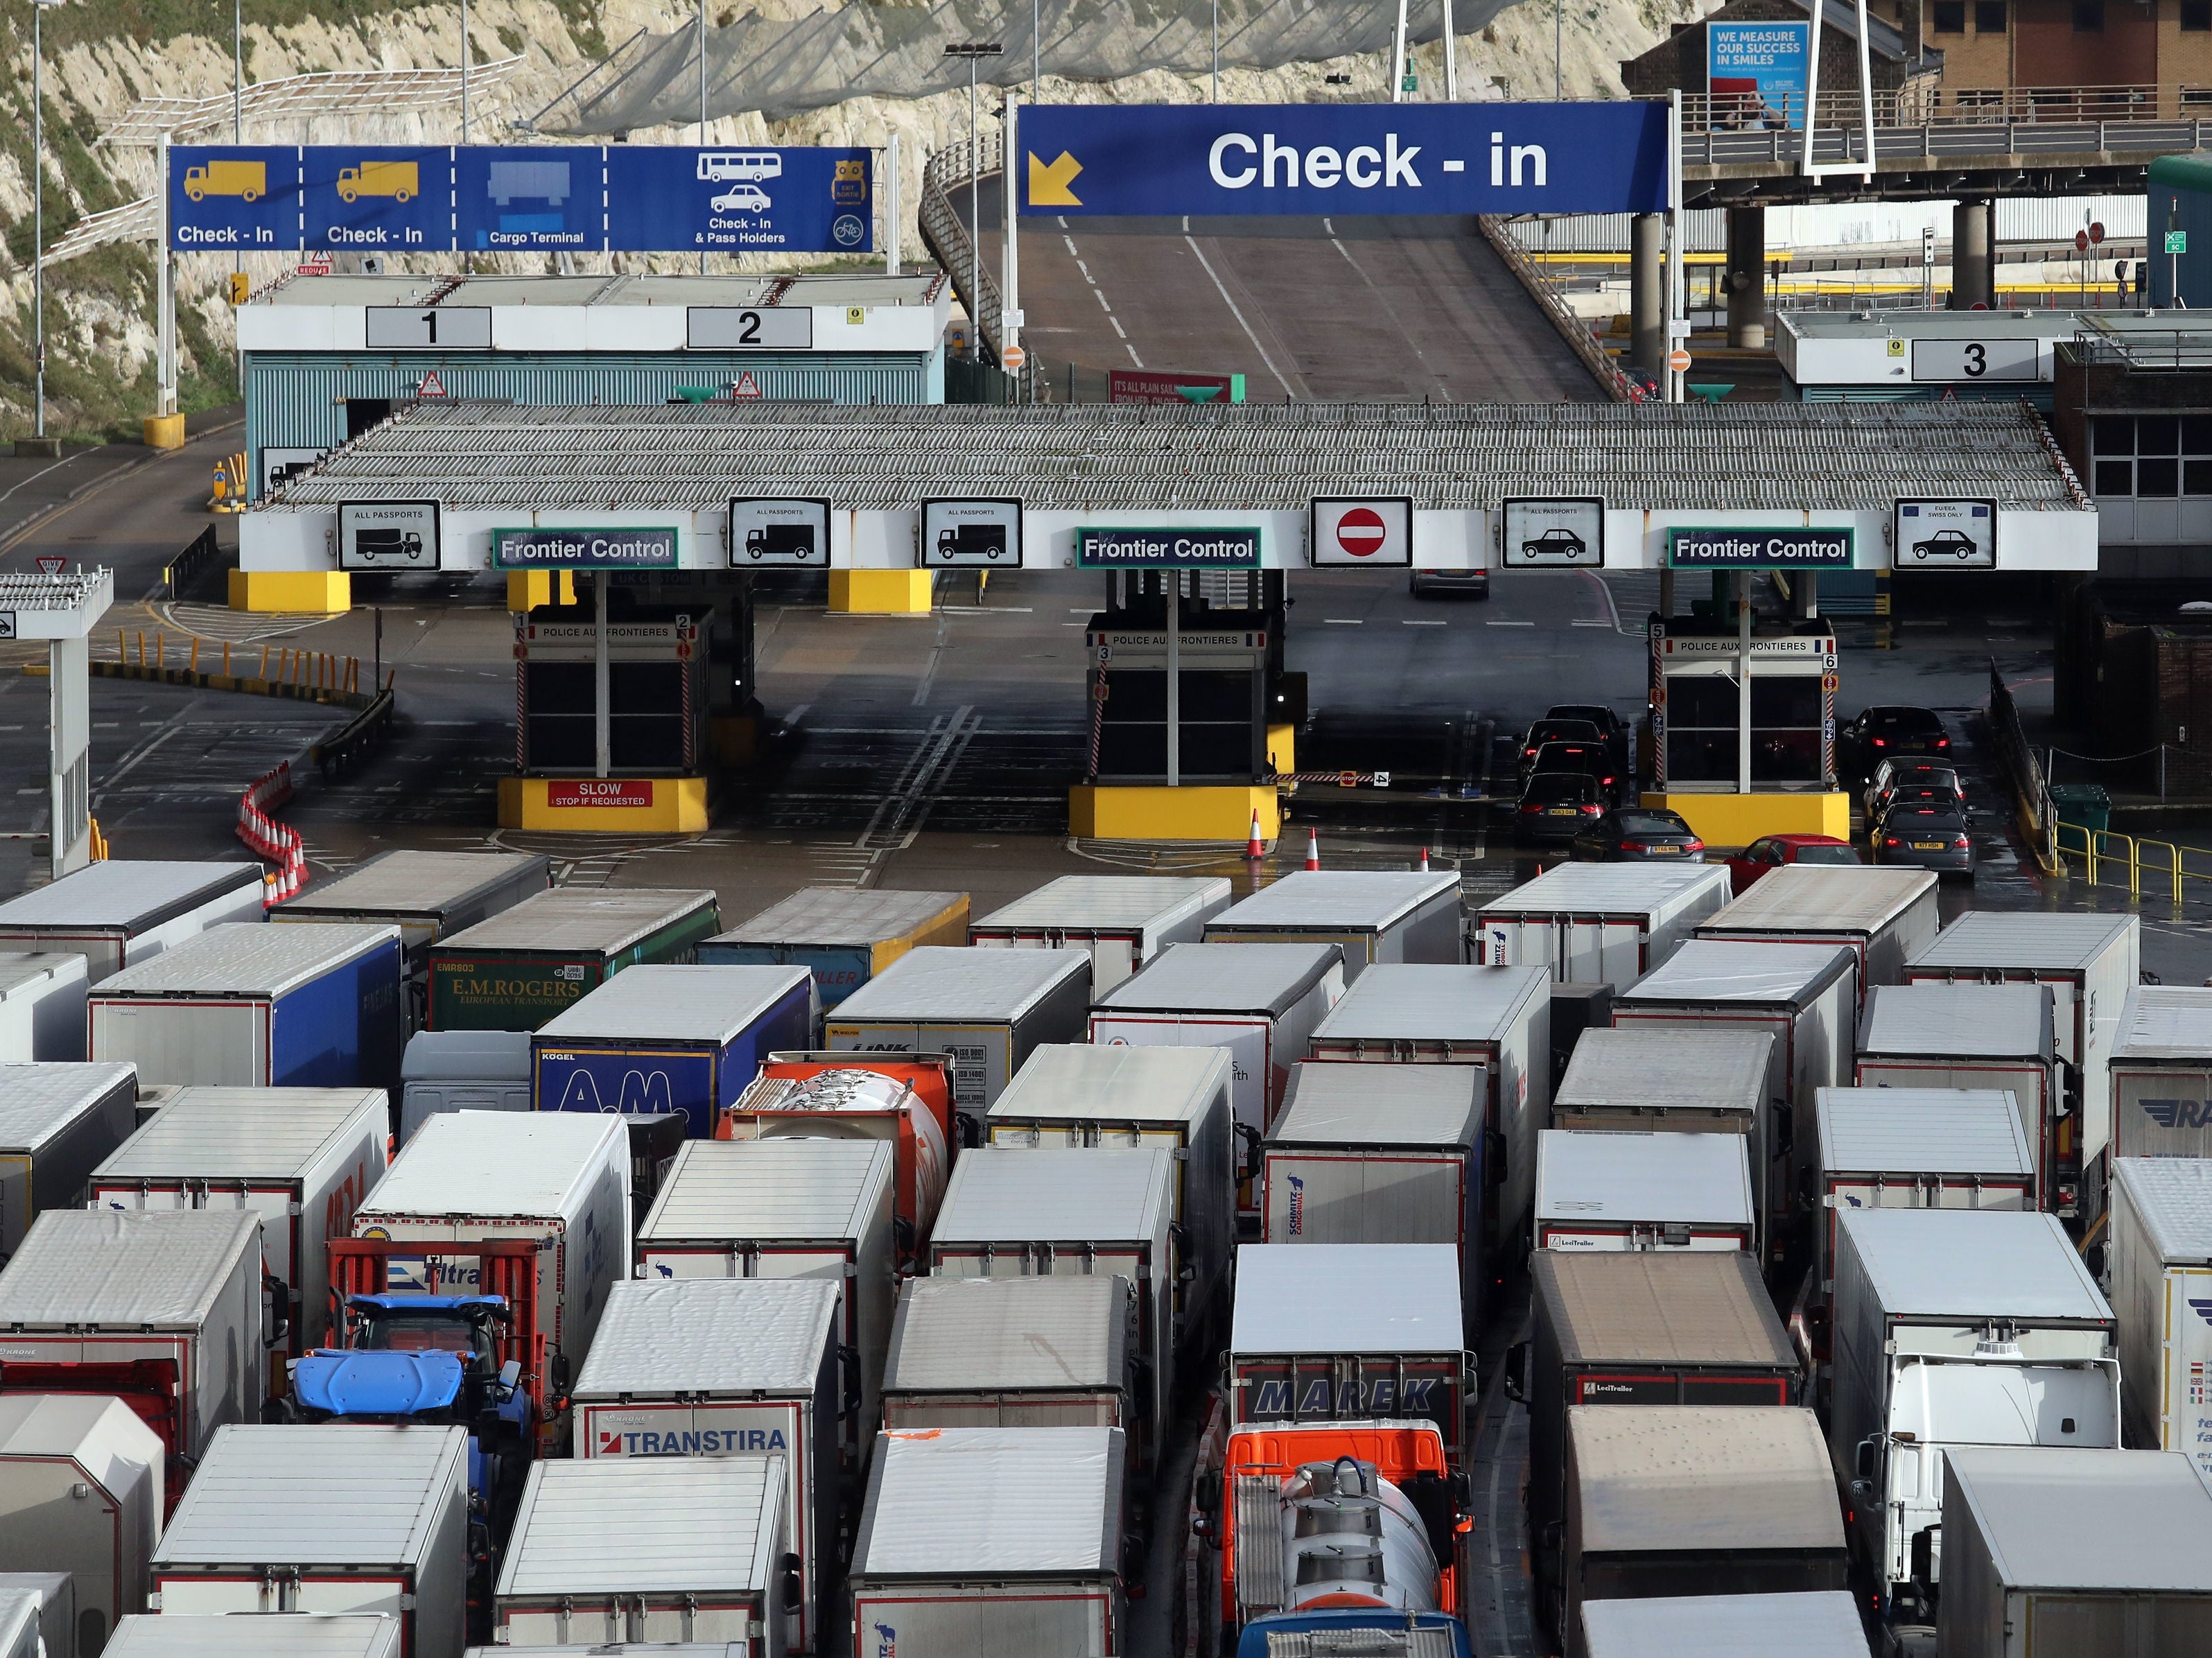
783 67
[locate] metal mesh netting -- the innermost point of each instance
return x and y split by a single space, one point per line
783 67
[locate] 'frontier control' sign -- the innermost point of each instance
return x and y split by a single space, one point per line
584 549
1167 549
1795 548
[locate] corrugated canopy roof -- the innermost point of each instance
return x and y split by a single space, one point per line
1253 457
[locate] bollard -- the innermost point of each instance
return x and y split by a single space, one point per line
161 652
265 663
195 654
141 649
225 658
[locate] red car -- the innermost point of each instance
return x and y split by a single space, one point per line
1773 851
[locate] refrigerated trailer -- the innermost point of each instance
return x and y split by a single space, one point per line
1125 921
543 954
256 1006
1013 1352
57 1123
42 1000
843 937
296 1635
1598 923
80 1493
1376 915
1624 1190
303 1158
1885 915
120 912
1809 1624
2161 1074
326 1518
428 896
2162 1261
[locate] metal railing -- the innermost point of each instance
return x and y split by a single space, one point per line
2145 348
2106 855
946 233
2037 817
1922 103
1573 329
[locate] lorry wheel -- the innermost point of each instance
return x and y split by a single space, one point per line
345 195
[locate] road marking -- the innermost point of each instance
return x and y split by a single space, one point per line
929 674
42 472
1132 351
1410 621
1591 621
1118 328
1509 624
1345 620
1207 265
1102 306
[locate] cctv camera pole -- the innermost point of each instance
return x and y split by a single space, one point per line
974 50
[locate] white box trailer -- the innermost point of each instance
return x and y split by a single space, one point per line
23 1624
683 1548
326 1518
165 1311
1261 1002
557 1182
1077 1214
732 1366
2162 1278
1497 1017
1625 1190
42 1000
1376 916
1071 1097
120 912
1125 921
1916 1148
1809 1624
2161 1074
1986 1036
294 1635
1951 1328
789 1209
54 1447
428 896
1013 1352
940 1570
1884 914
1598 923
2075 1554
57 1605
987 1010
2091 964
1807 995
1382 1154
303 1158
57 1123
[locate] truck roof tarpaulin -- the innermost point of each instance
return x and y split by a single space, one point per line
1739 970
1950 1264
1652 1071
1032 1336
1605 922
55 1446
1269 978
296 1635
2165 1022
1884 913
538 956
122 911
500 1163
1125 921
670 1548
844 937
1624 1190
426 895
1378 915
709 1337
57 1122
1428 1107
2033 941
1346 1298
21 1624
2160 1074
1815 1624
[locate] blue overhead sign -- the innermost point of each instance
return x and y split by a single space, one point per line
1218 159
521 199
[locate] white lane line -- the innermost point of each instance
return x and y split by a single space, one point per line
1592 622
1509 624
1118 328
1132 351
1083 268
1207 265
1345 620
1409 622
42 472
1102 306
1070 240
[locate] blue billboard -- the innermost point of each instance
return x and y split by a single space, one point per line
1157 160
521 199
1755 74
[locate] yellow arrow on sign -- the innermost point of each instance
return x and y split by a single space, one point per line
1049 185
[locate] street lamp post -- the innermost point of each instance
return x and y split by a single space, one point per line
703 103
974 52
38 207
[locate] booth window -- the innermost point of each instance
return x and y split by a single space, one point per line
1701 727
2154 457
1785 729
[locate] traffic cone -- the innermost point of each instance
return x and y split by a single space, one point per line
1313 850
1424 860
1253 848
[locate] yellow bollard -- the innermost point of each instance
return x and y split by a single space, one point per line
195 654
142 648
225 658
265 664
161 651
122 647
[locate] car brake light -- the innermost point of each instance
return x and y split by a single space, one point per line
1693 845
1635 845
1890 841
1593 809
1532 805
1959 842
1880 742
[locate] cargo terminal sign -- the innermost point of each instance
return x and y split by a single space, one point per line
1795 547
1171 159
583 549
1167 549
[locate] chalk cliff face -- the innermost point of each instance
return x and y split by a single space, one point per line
104 57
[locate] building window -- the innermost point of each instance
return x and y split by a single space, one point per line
1990 16
2151 456
2197 16
2088 17
1950 17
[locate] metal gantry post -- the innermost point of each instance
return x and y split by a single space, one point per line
1678 330
1398 58
1172 581
1451 58
703 103
601 682
892 206
464 71
1744 682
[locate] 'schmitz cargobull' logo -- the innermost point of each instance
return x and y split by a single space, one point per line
2178 1113
886 1642
1297 1206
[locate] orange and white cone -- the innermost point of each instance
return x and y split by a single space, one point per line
1424 860
1253 848
1313 850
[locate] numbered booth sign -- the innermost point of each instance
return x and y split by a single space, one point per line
1947 361
976 532
786 533
429 328
753 328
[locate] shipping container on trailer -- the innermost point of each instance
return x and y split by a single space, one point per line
2161 1277
843 937
256 1006
2075 1554
541 956
120 912
1495 1018
1079 1214
2091 964
681 1548
57 1122
42 1000
1382 1154
788 1209
988 1009
1806 996
1637 1329
81 1492
1999 1036
326 1518
1376 916
296 1635
1623 1189
462 1070
552 1189
905 1099
941 1569
2161 1074
1597 923
1884 914
1013 1352
657 1039
57 1605
732 1366
1125 921
163 1311
1810 1623
1072 1095
303 1158
1953 1328
1916 1148
1338 1332
1261 1002
1666 1500
428 896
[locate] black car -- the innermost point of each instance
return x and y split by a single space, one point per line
1610 726
1633 834
1594 757
1554 807
1883 733
1548 730
1924 836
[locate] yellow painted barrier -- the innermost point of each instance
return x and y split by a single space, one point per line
2108 854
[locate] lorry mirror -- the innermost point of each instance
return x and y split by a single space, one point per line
1250 1136
1493 1157
1863 1460
1516 1372
1206 1495
510 1373
849 1375
794 1595
1785 1130
558 1375
1927 1549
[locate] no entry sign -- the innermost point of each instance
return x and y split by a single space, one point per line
1361 533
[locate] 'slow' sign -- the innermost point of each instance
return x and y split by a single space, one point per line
1795 547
